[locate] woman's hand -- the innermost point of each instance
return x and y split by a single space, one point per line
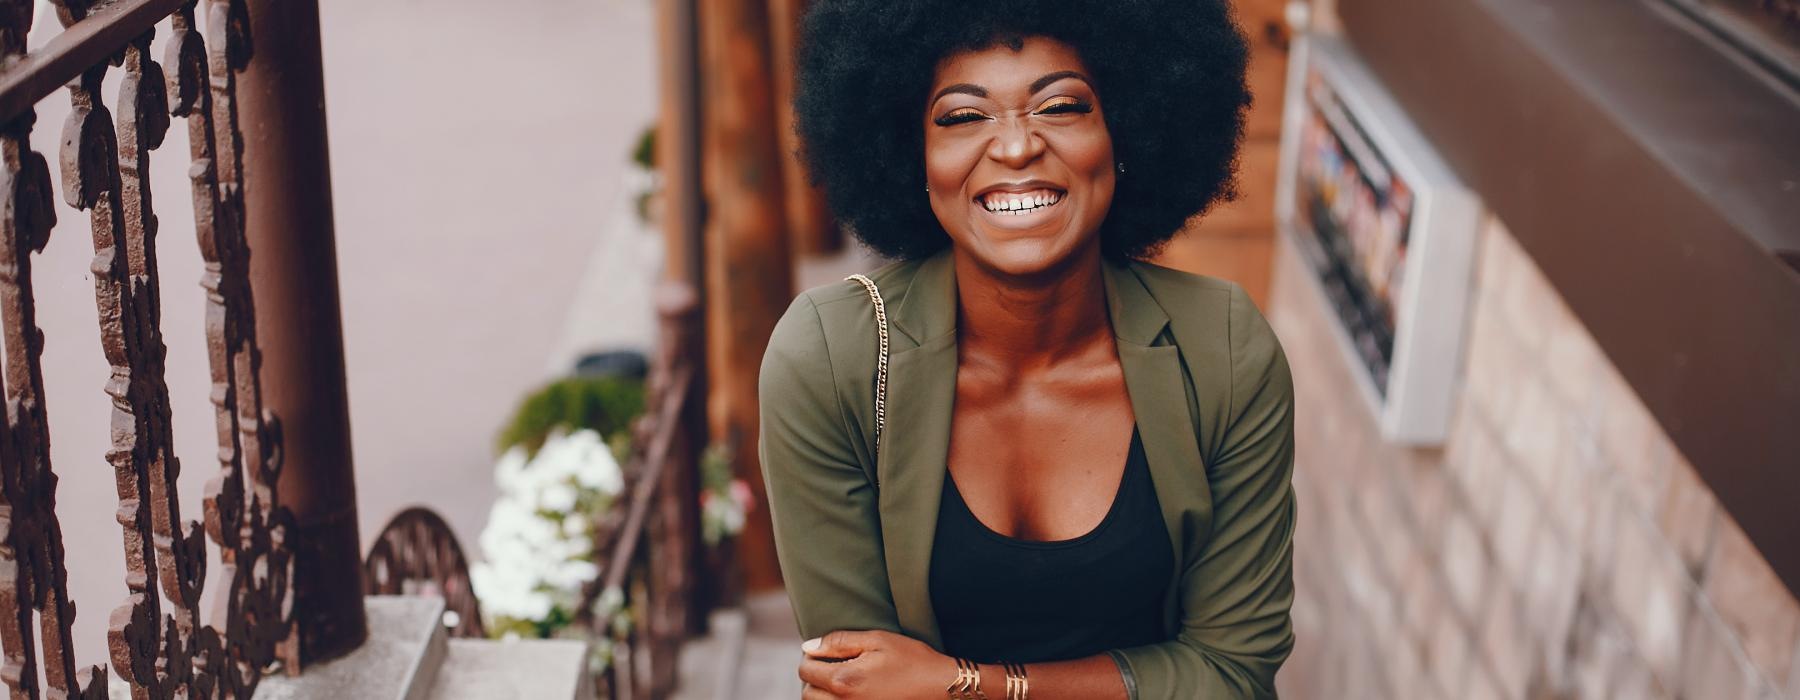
845 665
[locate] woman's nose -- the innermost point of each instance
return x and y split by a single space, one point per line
1015 145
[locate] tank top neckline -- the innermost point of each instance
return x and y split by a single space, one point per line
1133 460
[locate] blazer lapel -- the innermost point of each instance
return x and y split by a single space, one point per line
1158 390
915 445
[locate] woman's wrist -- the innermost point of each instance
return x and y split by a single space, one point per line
988 681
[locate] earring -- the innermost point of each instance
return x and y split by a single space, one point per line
928 188
1121 167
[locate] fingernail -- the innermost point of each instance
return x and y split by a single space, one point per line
810 645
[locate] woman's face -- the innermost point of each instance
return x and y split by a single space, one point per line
1017 156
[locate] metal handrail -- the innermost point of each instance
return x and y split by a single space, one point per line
656 534
96 38
648 470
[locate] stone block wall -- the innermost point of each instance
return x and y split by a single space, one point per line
1558 545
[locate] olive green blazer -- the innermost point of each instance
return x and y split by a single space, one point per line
1214 404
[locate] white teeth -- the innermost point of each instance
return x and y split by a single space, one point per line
1018 204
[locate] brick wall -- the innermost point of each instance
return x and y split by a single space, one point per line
1557 546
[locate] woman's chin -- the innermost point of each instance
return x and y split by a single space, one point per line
1023 255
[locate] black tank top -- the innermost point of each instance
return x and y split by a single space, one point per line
999 598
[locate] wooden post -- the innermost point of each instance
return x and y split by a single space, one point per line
678 162
811 228
678 141
749 276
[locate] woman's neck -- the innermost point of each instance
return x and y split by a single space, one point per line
1027 323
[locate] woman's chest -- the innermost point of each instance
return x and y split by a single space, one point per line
1040 460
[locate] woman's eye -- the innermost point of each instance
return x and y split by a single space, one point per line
961 116
1066 105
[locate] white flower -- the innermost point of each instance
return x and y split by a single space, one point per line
559 498
592 464
509 472
538 547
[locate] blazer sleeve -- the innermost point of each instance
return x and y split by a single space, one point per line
1235 595
823 506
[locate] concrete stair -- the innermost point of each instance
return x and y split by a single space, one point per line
752 653
409 656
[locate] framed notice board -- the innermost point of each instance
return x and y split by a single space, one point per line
1386 230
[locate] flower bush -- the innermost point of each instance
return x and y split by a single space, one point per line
539 540
559 477
724 500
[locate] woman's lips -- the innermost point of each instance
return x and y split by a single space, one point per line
1026 209
1012 204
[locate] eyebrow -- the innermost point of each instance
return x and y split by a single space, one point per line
963 88
1036 85
1045 81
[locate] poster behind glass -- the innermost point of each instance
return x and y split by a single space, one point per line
1357 214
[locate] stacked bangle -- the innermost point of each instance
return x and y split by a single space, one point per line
1017 686
967 685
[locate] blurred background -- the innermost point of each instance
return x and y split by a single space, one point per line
507 274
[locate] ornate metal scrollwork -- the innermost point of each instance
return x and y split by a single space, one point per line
30 532
243 514
417 553
160 645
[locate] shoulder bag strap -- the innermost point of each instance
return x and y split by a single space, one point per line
881 364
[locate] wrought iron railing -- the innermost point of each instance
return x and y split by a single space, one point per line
161 644
417 554
644 601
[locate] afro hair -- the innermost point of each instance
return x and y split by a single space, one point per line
1171 74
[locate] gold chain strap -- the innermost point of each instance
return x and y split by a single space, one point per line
881 367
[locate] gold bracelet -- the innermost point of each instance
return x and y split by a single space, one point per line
967 685
1017 686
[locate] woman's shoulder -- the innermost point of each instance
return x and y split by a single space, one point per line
1203 302
1200 299
1216 318
839 310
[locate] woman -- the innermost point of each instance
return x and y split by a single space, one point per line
1084 459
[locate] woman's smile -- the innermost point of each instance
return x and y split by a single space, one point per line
1021 207
1018 159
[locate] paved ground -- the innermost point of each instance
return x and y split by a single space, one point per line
753 653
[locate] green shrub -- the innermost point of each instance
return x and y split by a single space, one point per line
604 404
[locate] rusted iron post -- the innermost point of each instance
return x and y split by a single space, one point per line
678 140
749 275
678 161
675 527
293 264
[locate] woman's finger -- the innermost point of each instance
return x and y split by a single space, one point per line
842 644
817 674
837 678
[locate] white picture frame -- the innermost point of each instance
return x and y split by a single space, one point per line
1387 232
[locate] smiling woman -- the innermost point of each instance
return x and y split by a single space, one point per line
1017 147
1038 466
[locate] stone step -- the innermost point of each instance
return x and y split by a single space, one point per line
409 656
404 652
751 653
523 669
707 669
